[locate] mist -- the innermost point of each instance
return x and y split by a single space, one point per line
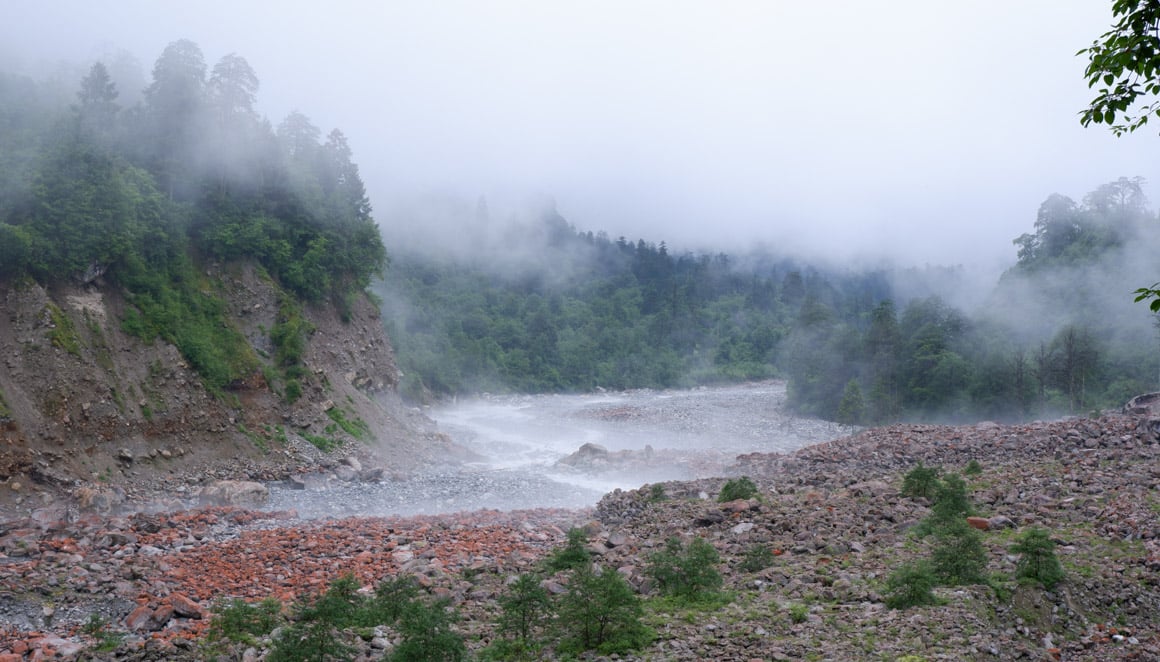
843 131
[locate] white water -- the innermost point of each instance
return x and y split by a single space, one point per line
521 439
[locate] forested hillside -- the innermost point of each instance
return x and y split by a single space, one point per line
567 310
141 196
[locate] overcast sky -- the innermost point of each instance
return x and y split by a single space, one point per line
930 131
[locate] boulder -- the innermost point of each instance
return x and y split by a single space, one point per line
241 493
980 523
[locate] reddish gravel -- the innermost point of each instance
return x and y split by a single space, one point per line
159 576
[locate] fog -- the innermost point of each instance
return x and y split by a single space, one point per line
922 131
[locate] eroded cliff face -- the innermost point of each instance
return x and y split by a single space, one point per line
83 402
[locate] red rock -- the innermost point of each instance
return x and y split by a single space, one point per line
184 606
980 523
139 617
161 616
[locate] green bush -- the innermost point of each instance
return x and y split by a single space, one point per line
105 640
1037 561
391 597
656 492
921 481
973 468
958 556
911 585
571 555
951 503
689 572
238 620
737 488
527 609
798 612
756 559
427 634
600 612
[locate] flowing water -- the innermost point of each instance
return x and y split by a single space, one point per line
650 436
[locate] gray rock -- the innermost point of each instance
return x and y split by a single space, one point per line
241 493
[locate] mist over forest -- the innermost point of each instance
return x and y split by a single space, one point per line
524 301
140 180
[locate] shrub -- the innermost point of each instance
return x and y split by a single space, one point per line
737 488
921 481
601 612
656 491
911 585
756 559
105 640
958 556
314 635
526 609
571 555
1037 561
427 634
973 468
951 504
391 596
798 612
686 572
238 620
293 391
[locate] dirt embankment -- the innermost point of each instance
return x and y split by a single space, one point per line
85 405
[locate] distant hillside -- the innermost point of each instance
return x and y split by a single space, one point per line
533 304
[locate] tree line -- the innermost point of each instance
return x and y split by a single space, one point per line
138 196
852 345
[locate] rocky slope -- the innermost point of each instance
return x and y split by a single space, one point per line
830 515
85 405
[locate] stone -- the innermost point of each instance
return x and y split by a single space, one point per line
242 493
139 618
980 523
1001 522
185 607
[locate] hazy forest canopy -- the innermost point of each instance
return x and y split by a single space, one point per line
579 310
144 193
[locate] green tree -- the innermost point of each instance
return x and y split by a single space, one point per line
687 572
1037 560
527 608
97 103
174 102
1124 63
911 585
427 634
601 612
958 556
852 409
921 481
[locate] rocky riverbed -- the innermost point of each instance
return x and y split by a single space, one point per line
830 514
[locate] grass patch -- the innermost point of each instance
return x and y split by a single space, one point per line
324 444
356 427
170 303
63 334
